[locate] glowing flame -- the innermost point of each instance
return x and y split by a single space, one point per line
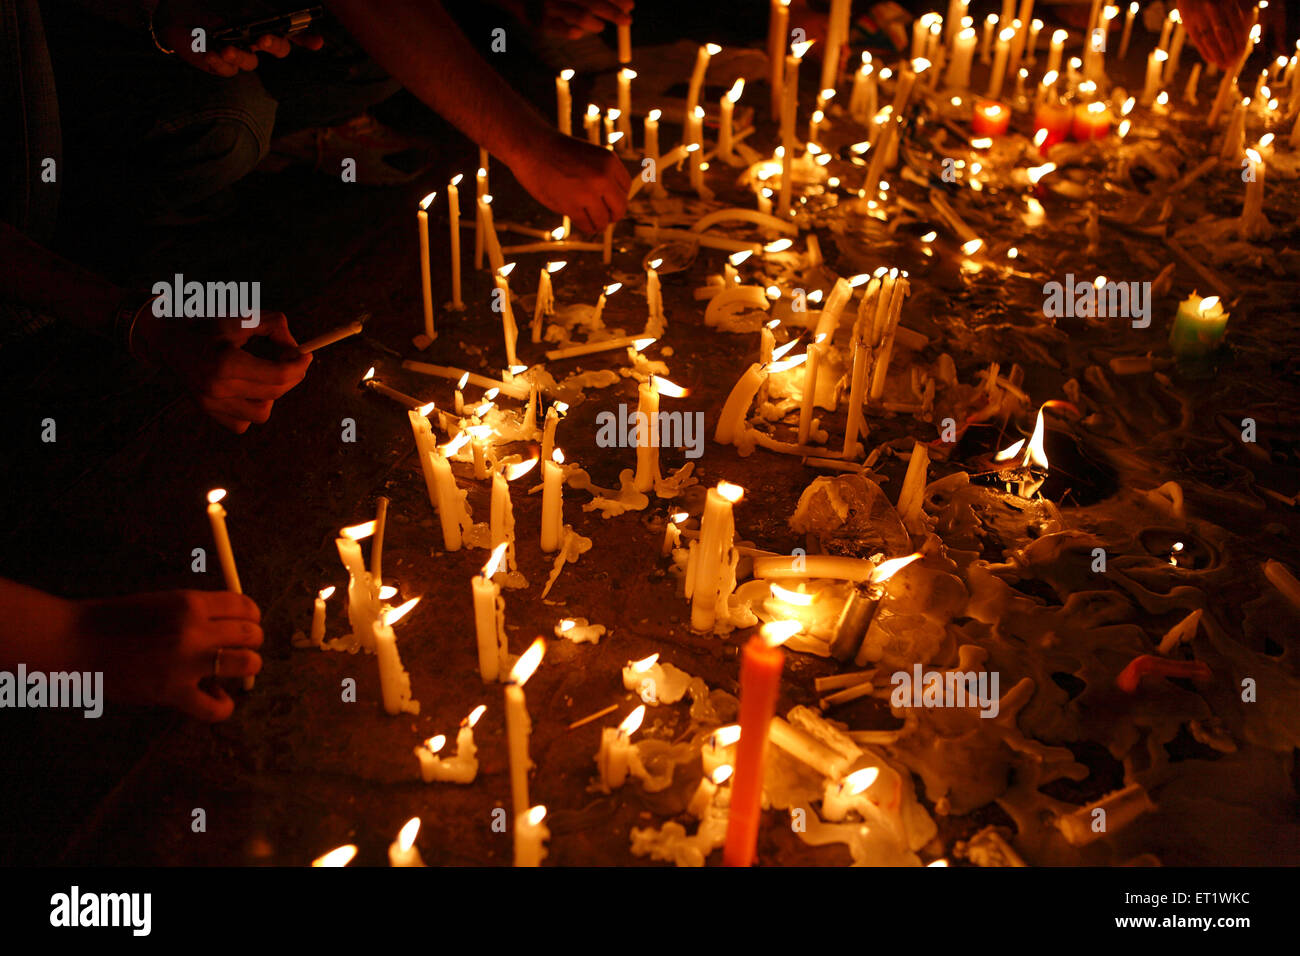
566 75
614 138
920 65
799 49
340 857
787 364
455 180
612 288
326 593
216 495
627 74
464 379
1011 451
474 716
434 744
1005 35
671 389
554 267
424 410
790 597
406 838
653 115
494 562
722 773
386 592
644 664
678 516
737 88
557 456
536 815
557 233
983 142
518 469
455 445
776 633
773 292
395 614
887 569
1208 304
779 245
642 344
736 258
655 264
632 722
732 493
528 662
370 373
1035 173
972 247
506 269
859 780
726 736
358 531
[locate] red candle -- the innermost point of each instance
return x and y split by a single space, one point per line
990 118
760 681
1057 119
1091 121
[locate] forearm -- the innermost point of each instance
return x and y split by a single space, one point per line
46 282
38 629
419 43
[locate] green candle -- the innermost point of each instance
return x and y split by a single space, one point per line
1198 327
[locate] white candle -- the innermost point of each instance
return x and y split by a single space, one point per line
789 105
1000 56
1253 207
836 35
657 322
489 616
986 45
463 767
647 433
777 38
726 107
531 833
394 681
1022 34
1165 29
217 518
518 726
490 241
318 616
363 595
1032 46
1128 29
625 78
616 749
695 134
424 445
702 58
377 543
673 534
731 421
509 329
480 190
402 851
844 795
1175 47
862 101
564 102
811 370
712 554
552 502
1155 72
958 76
501 522
591 124
1055 51
719 750
452 513
545 304
625 43
453 203
425 282
548 431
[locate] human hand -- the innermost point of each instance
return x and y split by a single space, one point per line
576 179
1217 28
576 18
174 23
162 648
233 386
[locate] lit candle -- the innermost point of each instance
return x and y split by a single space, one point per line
363 593
958 76
726 107
463 767
731 421
490 241
1175 46
424 446
1128 29
1253 209
553 414
1091 121
552 502
986 44
990 119
1052 121
318 616
705 794
695 134
672 534
452 512
530 832
217 518
480 190
402 851
760 684
647 437
836 34
1165 29
1022 24
789 104
394 681
657 321
1155 72
777 37
702 58
651 130
425 282
616 749
508 327
1055 51
844 795
1198 327
1035 27
564 102
1000 56
719 750
518 726
806 405
591 124
545 304
489 617
453 203
862 101
712 580
625 78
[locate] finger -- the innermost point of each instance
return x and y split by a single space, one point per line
583 221
308 41
579 17
236 662
249 410
228 392
275 326
236 363
278 47
211 704
229 606
608 11
229 422
240 59
217 65
230 634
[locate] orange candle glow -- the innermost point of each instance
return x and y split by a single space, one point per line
760 682
990 119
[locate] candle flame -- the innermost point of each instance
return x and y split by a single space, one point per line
776 633
972 247
557 233
920 65
787 364
1266 140
358 531
632 722
736 258
627 73
1058 37
528 662
772 324
463 381
518 469
779 245
567 625
494 562
434 744
487 200
859 780
216 495
557 456
655 264
1036 453
1254 157
614 138
790 597
983 142
887 569
669 388
1011 451
1035 173
679 516
474 716
645 663
340 857
406 838
506 269
712 49
424 410
428 200
726 736
654 115
737 88
722 773
780 351
642 344
536 815
1005 36
613 287
455 445
772 292
1207 304
395 614
554 267
930 236
370 373
326 593
386 592
732 493
566 75
455 180
797 50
